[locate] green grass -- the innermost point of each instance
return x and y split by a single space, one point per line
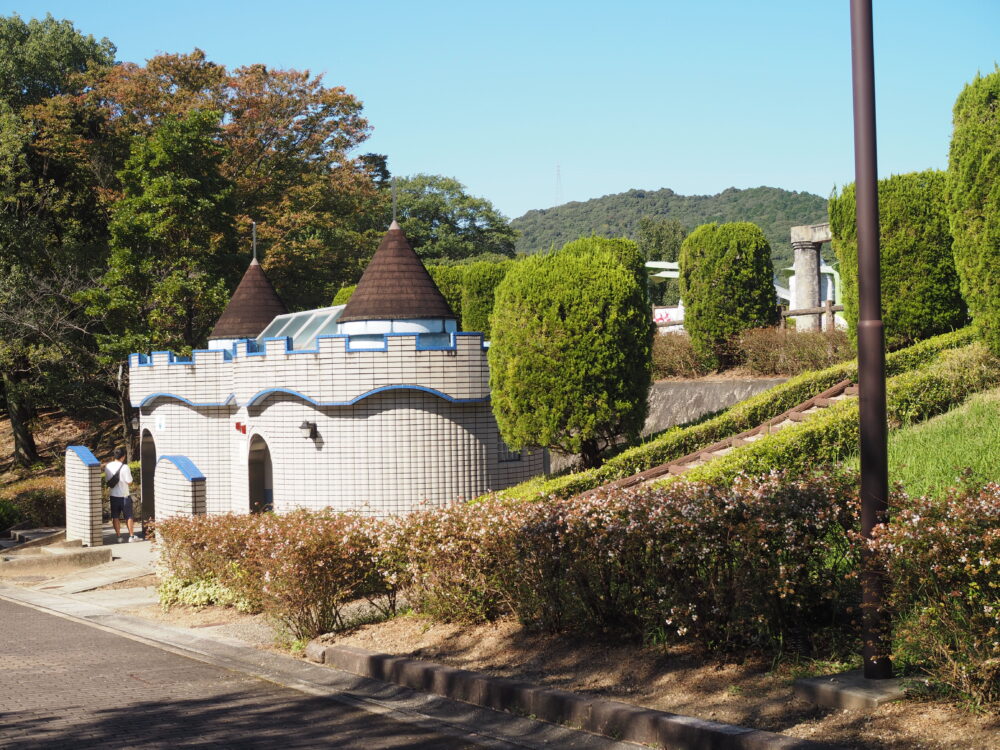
929 458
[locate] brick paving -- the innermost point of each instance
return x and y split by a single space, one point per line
67 684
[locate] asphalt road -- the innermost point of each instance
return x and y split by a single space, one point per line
64 683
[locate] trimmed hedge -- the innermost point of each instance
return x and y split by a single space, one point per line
570 358
343 294
832 435
920 289
974 201
726 282
479 285
449 281
38 500
679 441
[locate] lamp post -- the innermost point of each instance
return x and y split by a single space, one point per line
871 345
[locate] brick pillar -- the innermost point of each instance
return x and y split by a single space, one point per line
807 283
83 496
179 488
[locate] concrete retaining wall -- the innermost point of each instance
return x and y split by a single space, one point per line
675 402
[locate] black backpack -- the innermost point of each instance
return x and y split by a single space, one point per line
113 482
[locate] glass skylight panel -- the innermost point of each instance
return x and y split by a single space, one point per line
303 327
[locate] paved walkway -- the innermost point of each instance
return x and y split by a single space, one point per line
75 674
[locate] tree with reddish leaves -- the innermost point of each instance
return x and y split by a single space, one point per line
289 142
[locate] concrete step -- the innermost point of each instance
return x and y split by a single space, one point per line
50 560
38 537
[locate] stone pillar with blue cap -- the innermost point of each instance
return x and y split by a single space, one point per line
83 496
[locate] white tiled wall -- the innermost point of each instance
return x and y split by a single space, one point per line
201 434
387 452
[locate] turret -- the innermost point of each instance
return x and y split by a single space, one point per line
253 305
396 295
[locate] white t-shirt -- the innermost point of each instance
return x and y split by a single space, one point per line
124 478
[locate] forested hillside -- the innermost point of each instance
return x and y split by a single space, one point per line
773 209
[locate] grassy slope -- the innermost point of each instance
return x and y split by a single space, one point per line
678 441
929 458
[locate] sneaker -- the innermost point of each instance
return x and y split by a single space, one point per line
134 538
122 539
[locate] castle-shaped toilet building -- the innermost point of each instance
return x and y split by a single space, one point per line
376 406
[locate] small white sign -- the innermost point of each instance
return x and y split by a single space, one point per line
160 422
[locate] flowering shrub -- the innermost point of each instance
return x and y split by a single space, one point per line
220 549
301 568
753 563
313 563
943 561
750 564
674 357
461 559
783 351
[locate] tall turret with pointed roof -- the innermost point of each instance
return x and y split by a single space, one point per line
253 305
396 286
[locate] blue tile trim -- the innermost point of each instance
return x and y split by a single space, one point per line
261 395
84 454
230 399
186 467
259 349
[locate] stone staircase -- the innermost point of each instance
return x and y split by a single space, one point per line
842 390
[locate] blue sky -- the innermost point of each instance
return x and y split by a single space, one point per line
696 96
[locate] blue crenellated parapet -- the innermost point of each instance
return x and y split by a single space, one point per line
336 372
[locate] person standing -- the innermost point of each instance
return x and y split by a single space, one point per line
118 477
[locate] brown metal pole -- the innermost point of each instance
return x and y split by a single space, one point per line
871 345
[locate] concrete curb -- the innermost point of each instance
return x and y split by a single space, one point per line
613 719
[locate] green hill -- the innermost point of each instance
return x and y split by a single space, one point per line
773 209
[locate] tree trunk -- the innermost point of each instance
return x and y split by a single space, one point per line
127 412
590 453
20 412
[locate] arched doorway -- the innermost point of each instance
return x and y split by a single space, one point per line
261 476
147 468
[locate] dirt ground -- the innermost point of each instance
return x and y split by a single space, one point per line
52 431
679 681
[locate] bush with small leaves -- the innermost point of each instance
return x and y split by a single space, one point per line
943 559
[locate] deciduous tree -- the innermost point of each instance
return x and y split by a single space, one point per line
441 220
170 240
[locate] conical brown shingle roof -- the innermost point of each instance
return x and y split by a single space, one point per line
253 305
396 286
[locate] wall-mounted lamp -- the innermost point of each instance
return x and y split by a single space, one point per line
135 424
309 430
